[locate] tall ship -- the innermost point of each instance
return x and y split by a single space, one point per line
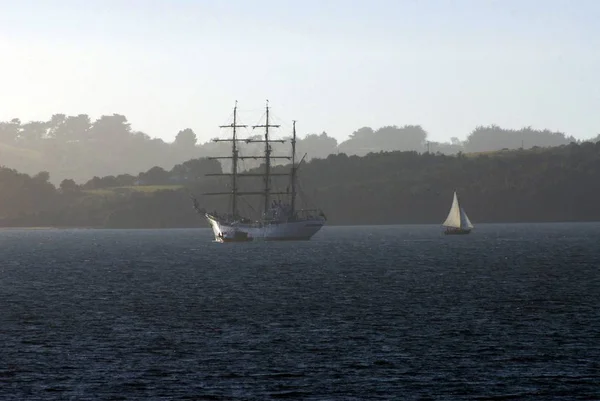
280 219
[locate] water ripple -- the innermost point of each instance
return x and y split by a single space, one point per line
510 312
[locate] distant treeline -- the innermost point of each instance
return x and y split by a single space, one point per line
78 148
542 184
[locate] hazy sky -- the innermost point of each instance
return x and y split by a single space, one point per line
333 65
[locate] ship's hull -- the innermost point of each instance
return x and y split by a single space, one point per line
457 231
301 230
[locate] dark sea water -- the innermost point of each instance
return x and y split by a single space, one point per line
358 313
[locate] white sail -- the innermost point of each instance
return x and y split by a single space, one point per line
465 223
454 217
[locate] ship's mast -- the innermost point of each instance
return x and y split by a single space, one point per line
234 159
267 157
293 200
266 192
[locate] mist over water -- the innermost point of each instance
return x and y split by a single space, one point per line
510 311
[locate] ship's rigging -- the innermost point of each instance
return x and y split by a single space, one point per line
235 174
278 221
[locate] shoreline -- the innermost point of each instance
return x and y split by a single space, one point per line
46 228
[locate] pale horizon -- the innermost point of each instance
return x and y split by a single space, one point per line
334 66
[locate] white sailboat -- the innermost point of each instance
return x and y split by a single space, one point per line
279 221
457 221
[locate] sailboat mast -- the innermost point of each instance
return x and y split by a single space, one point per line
235 175
293 200
234 157
267 161
267 175
234 151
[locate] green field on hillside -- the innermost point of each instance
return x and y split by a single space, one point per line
133 188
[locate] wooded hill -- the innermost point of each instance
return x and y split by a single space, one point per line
79 148
542 184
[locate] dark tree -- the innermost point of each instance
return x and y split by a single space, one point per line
68 185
